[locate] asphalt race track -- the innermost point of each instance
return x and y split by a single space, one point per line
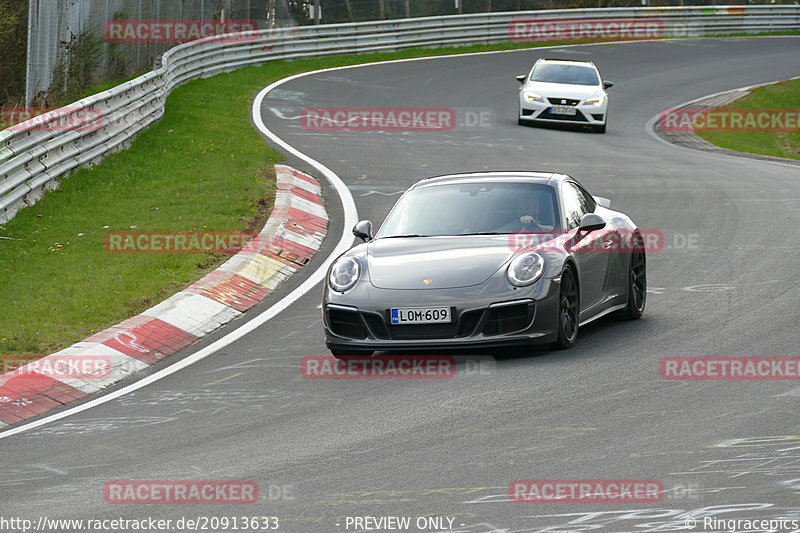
325 450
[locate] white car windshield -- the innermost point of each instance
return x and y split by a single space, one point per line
473 208
561 73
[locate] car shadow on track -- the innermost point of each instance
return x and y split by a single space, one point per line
607 335
597 339
563 127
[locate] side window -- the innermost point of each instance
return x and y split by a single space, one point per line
577 203
586 198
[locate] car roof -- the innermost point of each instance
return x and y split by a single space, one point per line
544 178
564 61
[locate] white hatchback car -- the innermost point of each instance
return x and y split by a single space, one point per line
565 92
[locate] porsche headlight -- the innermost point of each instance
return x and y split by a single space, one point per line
525 269
344 274
596 101
532 97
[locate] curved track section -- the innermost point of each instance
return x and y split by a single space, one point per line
325 450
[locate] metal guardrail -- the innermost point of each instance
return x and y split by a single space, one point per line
35 153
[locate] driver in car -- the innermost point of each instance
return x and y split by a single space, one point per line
528 215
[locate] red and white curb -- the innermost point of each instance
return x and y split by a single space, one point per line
292 235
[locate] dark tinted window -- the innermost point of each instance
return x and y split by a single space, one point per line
561 73
478 207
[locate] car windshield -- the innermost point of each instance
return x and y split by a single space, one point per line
473 208
560 73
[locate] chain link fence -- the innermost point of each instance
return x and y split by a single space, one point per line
333 11
70 44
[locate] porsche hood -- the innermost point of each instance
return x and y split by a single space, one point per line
444 262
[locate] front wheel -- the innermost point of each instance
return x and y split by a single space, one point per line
568 310
599 129
637 283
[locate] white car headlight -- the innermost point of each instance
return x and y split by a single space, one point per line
525 269
597 101
532 97
344 274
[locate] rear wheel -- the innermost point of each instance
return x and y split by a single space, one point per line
637 282
568 310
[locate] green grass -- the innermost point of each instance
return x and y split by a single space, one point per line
202 166
784 95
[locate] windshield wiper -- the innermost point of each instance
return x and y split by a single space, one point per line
404 236
483 233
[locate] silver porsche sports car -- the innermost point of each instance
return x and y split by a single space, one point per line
485 259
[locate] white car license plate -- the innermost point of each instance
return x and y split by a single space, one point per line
420 315
562 110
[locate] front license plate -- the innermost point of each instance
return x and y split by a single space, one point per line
562 110
420 315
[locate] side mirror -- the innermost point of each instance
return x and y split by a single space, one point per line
608 84
521 78
605 202
591 222
363 230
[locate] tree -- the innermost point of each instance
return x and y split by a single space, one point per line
13 50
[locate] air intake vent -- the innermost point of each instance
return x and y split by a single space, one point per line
346 324
508 319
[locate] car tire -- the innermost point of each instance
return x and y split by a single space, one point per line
599 129
637 282
568 310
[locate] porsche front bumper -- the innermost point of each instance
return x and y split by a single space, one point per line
360 320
